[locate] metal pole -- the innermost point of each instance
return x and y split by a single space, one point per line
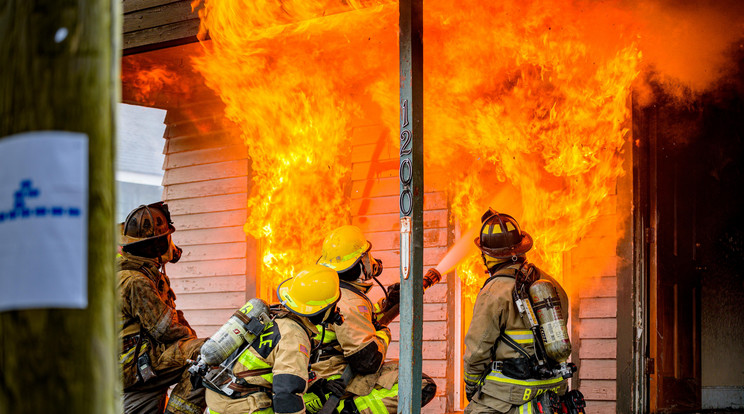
411 204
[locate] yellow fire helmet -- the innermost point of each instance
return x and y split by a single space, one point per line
311 291
343 248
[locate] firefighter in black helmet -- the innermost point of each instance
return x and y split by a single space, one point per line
156 338
500 347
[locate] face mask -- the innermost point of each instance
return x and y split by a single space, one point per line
331 316
335 317
177 251
371 267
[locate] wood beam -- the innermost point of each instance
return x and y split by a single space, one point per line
61 73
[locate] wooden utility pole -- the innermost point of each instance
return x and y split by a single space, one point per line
411 204
60 71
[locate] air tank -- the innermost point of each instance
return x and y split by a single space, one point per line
243 325
547 305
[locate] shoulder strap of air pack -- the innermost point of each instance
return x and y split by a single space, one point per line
504 272
348 286
139 267
278 312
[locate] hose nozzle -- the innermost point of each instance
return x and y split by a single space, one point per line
432 277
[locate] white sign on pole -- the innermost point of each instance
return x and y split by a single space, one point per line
43 220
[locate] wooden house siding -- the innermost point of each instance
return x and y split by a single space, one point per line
206 184
151 24
591 275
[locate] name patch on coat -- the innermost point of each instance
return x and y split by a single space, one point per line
267 340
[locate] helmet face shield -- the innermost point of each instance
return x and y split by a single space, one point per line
152 248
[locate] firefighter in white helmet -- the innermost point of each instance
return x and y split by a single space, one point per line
270 375
359 343
156 338
500 368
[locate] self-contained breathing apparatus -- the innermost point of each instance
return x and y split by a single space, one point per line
213 367
312 294
540 306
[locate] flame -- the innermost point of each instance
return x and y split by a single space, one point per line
294 103
532 96
541 104
147 82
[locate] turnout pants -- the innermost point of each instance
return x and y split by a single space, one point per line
150 397
474 407
381 399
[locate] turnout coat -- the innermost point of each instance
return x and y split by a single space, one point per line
495 315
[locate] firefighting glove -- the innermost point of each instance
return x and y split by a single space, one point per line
574 402
335 387
547 403
384 333
470 391
393 296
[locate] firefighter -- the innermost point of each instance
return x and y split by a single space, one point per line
156 338
499 376
359 343
271 373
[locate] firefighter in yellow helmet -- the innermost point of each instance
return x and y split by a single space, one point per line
156 338
359 342
270 374
500 373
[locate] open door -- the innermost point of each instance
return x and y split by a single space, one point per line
673 276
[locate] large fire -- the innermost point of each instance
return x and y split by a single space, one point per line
293 101
526 106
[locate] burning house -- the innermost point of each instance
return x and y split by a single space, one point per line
610 130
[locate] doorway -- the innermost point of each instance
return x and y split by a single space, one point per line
692 202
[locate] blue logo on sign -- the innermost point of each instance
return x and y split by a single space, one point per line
21 211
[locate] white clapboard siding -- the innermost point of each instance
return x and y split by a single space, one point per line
206 184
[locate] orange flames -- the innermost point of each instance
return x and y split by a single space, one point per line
539 102
146 83
526 102
294 102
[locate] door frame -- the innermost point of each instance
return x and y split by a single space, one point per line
634 251
638 323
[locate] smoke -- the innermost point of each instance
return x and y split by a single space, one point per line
687 45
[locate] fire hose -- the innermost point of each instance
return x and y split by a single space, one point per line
431 278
